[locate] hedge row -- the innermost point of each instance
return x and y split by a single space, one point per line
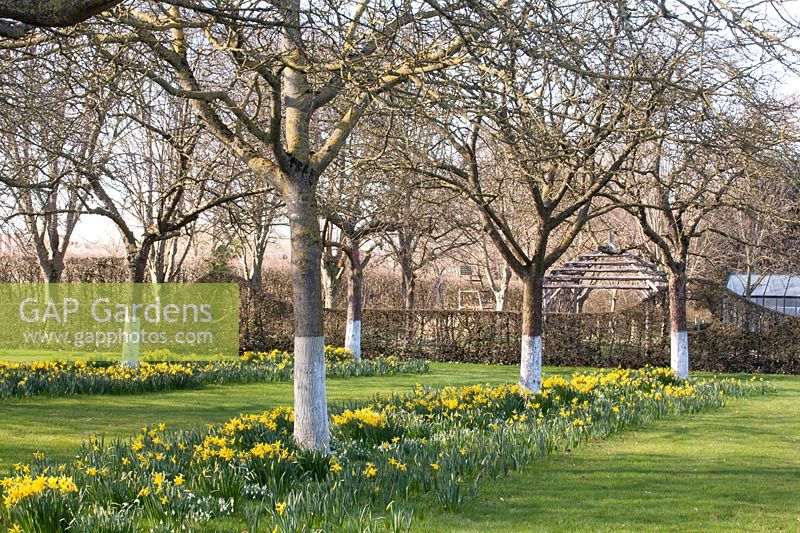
631 338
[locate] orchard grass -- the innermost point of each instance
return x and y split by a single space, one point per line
482 431
731 469
30 356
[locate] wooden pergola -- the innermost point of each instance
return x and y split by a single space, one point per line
567 287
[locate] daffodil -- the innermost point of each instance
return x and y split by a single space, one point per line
280 507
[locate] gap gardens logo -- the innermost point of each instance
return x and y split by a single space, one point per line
119 319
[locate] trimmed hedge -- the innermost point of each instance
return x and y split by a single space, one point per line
629 338
749 340
603 339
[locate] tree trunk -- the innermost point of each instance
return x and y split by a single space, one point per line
52 270
679 338
131 344
355 281
310 403
56 271
501 292
255 274
159 270
137 262
137 268
530 372
330 279
438 289
259 249
407 285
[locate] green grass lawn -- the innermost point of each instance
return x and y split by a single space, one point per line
737 468
733 469
28 356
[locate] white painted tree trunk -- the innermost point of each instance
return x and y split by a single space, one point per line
530 372
679 338
310 407
310 402
352 340
679 353
355 279
530 362
130 347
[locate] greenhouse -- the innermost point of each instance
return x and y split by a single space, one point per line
778 292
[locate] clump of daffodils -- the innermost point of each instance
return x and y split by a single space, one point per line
16 489
61 378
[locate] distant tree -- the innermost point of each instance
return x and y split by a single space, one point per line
154 187
47 136
359 201
250 223
712 164
331 263
555 133
427 225
760 236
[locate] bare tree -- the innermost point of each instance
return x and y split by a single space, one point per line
695 169
428 224
169 256
49 211
153 186
359 200
760 236
46 135
284 63
550 133
249 223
